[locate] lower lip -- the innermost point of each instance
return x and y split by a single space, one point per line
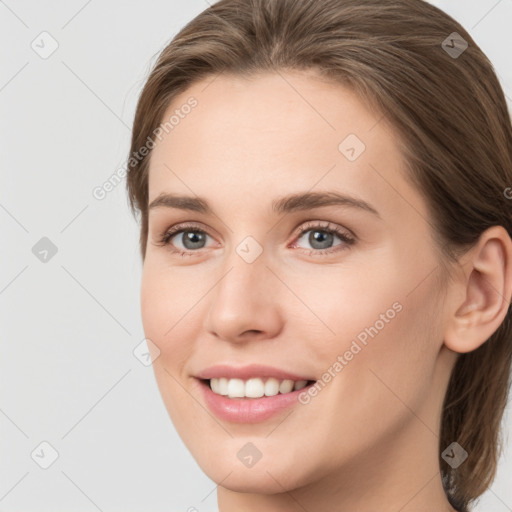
248 410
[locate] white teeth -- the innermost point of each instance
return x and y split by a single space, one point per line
223 386
271 387
236 388
286 386
255 387
214 383
300 384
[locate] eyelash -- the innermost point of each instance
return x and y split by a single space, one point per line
332 229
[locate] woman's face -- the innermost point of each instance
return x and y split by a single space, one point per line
352 303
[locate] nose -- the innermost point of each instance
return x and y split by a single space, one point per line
244 303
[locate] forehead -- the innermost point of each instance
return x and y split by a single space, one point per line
276 132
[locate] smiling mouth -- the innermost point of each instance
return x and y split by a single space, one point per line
254 387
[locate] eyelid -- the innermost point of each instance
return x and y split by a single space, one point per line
168 233
344 234
321 225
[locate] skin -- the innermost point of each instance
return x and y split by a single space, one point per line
369 439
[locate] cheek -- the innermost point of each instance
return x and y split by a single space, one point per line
164 298
384 329
350 307
173 310
399 338
164 313
153 302
165 323
385 377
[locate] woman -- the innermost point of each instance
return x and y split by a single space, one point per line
325 207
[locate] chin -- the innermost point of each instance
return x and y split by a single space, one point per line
267 476
245 480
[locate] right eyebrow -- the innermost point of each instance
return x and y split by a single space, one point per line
193 204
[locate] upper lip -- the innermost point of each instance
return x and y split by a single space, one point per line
248 372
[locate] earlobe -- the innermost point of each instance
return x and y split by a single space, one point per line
487 288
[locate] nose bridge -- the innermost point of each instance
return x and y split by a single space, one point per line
241 299
244 279
244 268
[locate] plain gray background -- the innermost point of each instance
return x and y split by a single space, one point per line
71 322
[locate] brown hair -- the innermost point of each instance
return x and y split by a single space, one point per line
455 134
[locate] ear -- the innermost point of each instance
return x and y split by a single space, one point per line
482 292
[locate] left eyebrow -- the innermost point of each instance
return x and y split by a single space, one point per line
285 204
310 200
